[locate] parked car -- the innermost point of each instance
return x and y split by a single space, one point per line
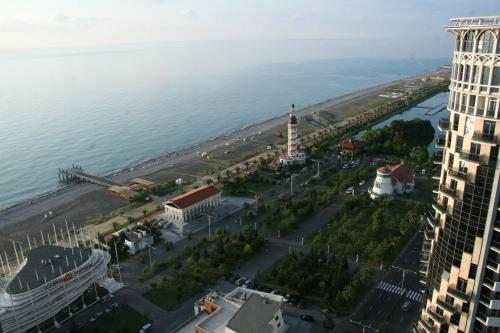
98 314
146 328
286 298
350 190
301 304
107 310
361 183
92 319
308 318
406 306
115 305
249 284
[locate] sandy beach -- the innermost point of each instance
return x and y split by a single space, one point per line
79 203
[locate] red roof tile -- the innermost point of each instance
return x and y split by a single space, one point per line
351 144
192 197
402 173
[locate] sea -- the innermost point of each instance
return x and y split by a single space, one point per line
109 108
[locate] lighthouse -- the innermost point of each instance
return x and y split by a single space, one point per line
292 133
293 154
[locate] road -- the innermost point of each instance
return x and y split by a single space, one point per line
381 308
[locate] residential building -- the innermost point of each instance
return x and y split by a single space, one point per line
392 180
241 311
192 204
350 147
461 252
137 239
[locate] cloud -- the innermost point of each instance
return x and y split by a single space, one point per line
91 20
189 14
61 18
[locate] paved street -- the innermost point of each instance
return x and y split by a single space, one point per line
381 308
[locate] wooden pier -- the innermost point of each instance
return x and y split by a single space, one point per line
76 175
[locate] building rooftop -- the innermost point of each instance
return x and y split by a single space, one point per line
192 197
398 171
462 23
351 144
254 315
48 262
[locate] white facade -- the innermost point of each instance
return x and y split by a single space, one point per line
392 180
293 155
182 215
22 311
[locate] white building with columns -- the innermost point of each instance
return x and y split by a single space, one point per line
192 204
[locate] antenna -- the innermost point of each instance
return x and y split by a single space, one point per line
7 260
15 250
3 267
55 234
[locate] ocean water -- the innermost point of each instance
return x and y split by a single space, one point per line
106 109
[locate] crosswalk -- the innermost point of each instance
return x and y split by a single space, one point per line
392 288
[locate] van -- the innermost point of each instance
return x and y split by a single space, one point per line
405 306
146 328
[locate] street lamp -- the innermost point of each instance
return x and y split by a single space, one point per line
404 271
209 224
256 200
369 326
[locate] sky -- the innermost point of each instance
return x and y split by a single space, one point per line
415 24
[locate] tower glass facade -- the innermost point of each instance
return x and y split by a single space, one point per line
461 253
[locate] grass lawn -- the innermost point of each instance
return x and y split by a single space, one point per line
423 190
168 298
121 320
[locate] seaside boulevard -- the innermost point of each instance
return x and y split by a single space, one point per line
83 202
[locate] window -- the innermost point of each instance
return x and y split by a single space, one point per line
276 318
496 76
459 144
489 128
486 75
279 324
475 74
456 121
467 73
462 284
475 148
472 272
457 43
468 42
485 42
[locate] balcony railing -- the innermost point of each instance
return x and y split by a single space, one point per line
440 142
485 137
475 158
444 124
458 294
446 306
460 174
440 208
448 191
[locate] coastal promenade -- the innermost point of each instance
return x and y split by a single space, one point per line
82 202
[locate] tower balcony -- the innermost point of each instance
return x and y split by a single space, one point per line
446 306
460 175
492 285
444 124
439 208
440 142
448 191
458 294
473 158
432 221
486 138
438 158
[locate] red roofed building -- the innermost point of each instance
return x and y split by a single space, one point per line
393 179
351 147
192 204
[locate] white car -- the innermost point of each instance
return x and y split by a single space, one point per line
361 183
350 190
92 319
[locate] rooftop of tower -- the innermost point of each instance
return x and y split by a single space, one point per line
479 22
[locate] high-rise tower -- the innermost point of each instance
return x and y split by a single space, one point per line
461 252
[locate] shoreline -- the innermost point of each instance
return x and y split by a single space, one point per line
184 154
